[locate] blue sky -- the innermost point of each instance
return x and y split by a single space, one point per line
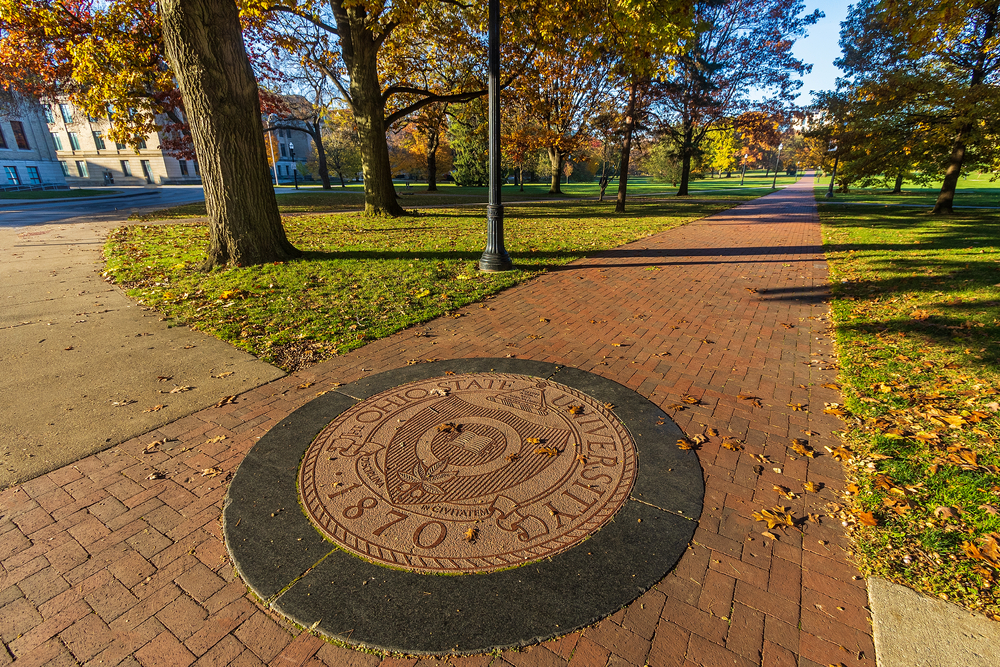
820 48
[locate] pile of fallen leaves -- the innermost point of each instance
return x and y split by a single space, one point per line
916 327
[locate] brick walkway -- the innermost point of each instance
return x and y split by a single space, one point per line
102 565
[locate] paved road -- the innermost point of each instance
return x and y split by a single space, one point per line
31 212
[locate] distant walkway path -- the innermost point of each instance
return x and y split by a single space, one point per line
118 558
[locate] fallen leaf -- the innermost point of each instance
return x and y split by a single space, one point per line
732 444
776 517
801 447
769 534
831 385
753 400
211 472
510 458
685 444
812 487
785 491
151 447
181 390
164 378
471 534
711 432
798 407
547 451
609 406
867 518
223 375
155 408
699 439
306 385
581 458
946 512
218 438
990 509
226 401
841 453
576 409
533 441
690 400
156 475
450 427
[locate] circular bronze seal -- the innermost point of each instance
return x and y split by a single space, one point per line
467 473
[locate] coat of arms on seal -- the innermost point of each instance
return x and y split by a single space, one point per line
467 473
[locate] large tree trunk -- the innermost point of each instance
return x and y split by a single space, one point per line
324 170
947 195
204 44
556 160
626 150
360 53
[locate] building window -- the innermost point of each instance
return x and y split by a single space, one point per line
147 173
34 176
67 113
3 139
284 153
119 146
47 110
197 170
81 169
142 143
184 167
65 167
99 141
19 136
74 141
57 141
126 168
12 176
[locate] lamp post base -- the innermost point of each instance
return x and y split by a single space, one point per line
495 257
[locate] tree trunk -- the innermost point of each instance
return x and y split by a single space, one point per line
520 176
360 52
898 187
324 170
626 148
204 44
433 139
682 191
947 195
556 160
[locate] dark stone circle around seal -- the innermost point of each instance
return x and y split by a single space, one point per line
298 573
468 473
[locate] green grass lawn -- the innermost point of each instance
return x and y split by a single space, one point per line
974 190
57 194
364 278
313 199
917 319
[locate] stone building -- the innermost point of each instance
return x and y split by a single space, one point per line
27 156
90 159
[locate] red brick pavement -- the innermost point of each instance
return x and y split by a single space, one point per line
102 565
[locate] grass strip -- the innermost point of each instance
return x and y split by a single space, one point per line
363 278
917 317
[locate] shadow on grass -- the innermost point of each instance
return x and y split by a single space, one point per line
952 267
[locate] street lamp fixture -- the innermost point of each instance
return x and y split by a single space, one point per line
495 257
295 170
777 158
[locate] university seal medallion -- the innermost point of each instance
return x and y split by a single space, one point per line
467 473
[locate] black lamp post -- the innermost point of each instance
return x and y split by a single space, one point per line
495 257
777 158
295 169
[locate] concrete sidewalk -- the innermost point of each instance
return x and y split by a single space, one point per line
84 366
118 558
